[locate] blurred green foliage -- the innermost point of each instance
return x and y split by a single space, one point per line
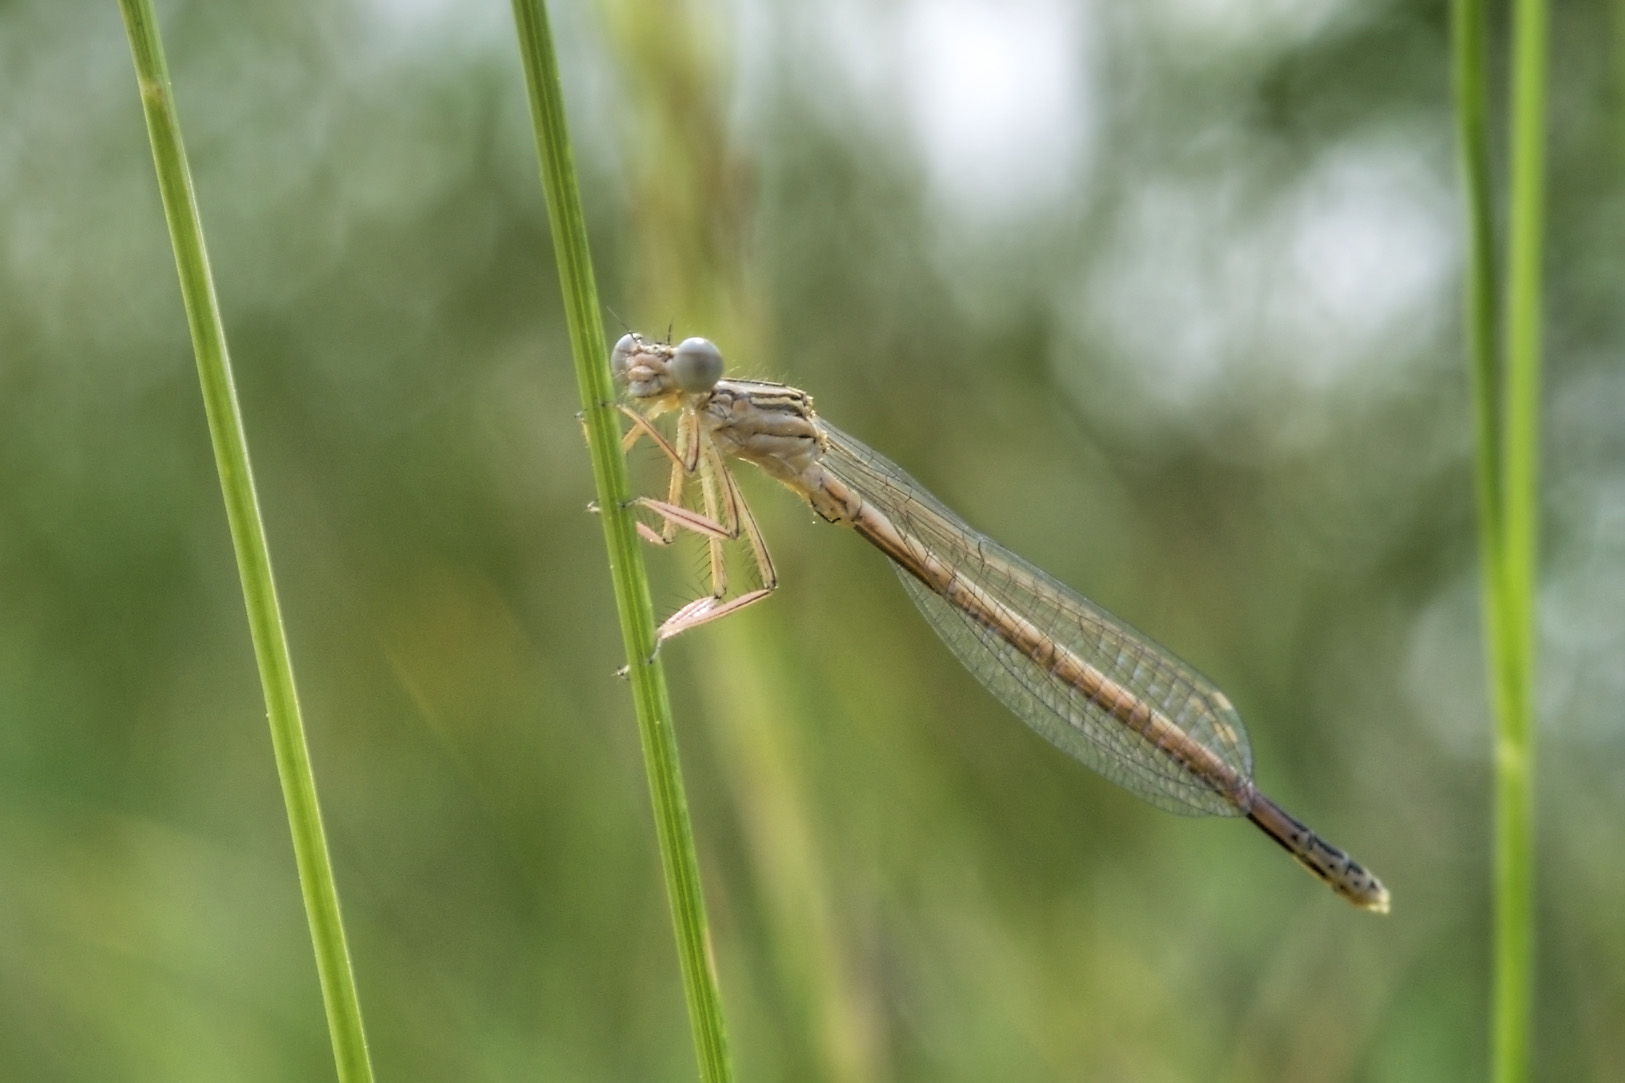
1163 296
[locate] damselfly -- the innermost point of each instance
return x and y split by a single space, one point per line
1091 685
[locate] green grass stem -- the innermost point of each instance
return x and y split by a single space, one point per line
587 342
1470 45
1520 418
1506 403
248 540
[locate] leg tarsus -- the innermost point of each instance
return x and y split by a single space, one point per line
704 610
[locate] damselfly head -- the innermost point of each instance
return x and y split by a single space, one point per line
658 372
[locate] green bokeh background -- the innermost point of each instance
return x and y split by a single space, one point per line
1164 296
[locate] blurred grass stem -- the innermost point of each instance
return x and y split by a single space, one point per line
591 352
248 540
1514 747
1506 402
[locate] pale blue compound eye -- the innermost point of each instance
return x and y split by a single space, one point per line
696 365
621 354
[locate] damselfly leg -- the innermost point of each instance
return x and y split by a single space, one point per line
726 518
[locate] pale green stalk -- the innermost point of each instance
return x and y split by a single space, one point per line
1520 511
1470 45
591 351
1506 427
248 539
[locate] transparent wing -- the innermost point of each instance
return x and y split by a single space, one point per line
1065 715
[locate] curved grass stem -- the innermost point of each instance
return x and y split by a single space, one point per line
1506 402
590 350
248 540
